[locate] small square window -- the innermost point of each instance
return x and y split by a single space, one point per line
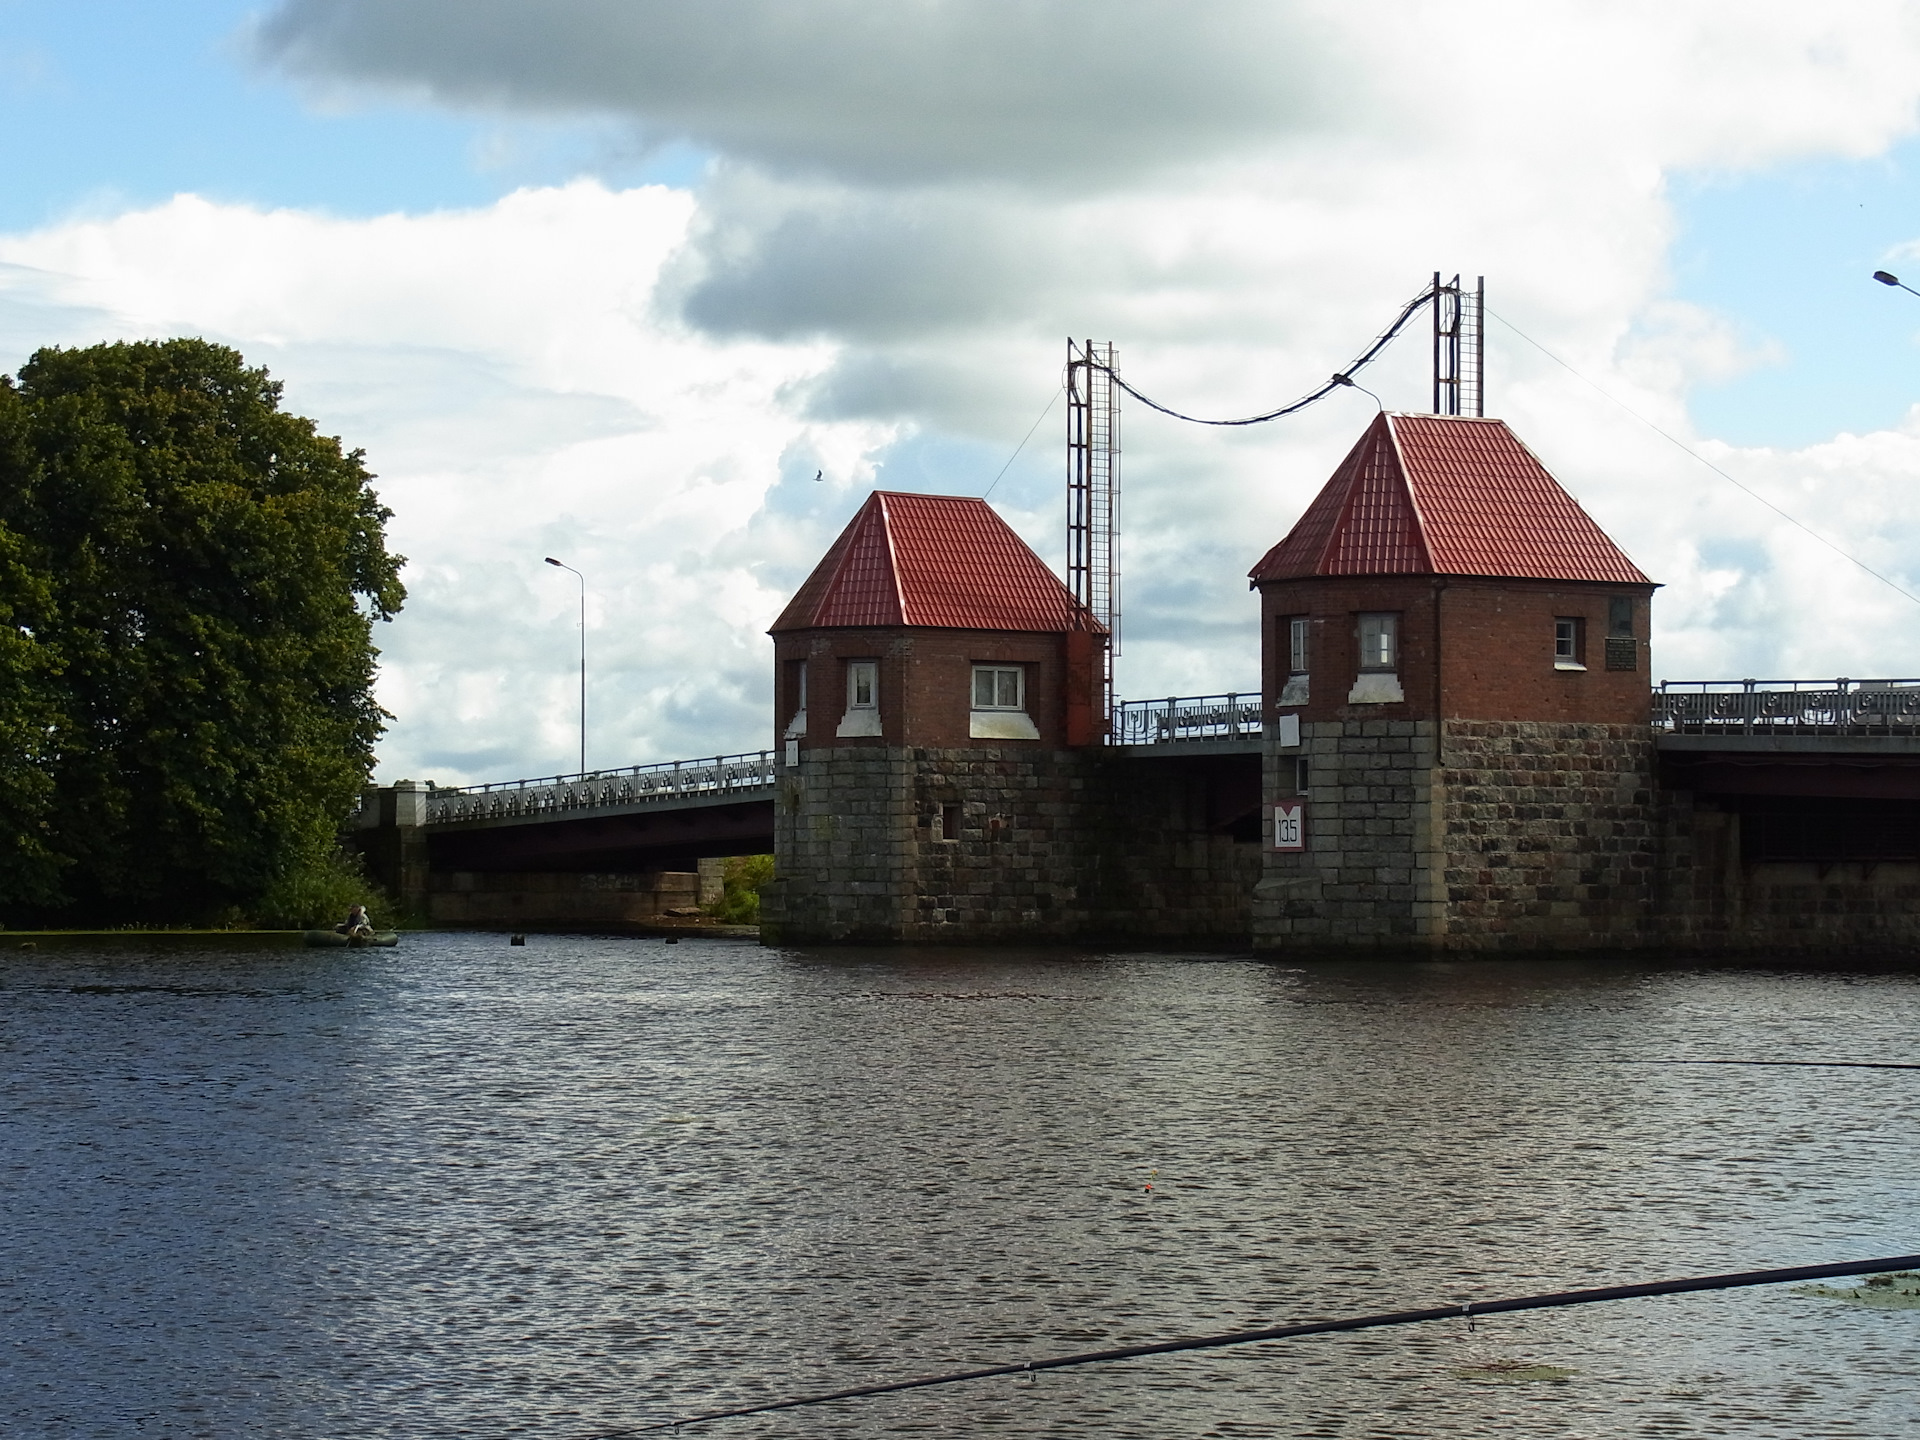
1297 645
1379 642
1569 643
999 687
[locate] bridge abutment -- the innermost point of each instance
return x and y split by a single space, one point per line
991 845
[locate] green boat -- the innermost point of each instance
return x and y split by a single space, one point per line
322 938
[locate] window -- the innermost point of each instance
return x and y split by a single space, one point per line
863 685
1379 642
1297 645
999 710
999 687
1570 643
797 695
947 824
862 719
1302 775
1623 651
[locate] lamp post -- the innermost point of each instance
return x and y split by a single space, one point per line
583 656
1885 279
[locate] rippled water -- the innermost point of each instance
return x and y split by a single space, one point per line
465 1189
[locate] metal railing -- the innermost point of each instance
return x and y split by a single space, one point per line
669 780
1787 707
1187 717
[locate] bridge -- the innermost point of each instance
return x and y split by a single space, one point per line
645 820
1758 742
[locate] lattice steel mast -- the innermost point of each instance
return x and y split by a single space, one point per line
1093 491
1459 364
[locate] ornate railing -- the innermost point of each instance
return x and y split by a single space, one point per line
1187 717
637 784
1787 707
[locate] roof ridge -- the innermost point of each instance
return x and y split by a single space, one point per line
1413 494
1357 460
893 555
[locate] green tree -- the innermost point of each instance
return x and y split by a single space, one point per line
202 572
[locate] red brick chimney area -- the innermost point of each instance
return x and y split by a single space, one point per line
1458 755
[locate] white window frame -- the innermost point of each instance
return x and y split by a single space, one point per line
859 672
1382 626
997 687
1297 634
1566 642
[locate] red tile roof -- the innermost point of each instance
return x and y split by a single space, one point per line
1446 495
933 560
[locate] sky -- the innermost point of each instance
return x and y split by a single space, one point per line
613 280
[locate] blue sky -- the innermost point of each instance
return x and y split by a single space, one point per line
109 104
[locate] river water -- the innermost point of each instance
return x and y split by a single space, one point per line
461 1188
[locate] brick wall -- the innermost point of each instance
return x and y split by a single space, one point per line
1062 845
926 679
1491 640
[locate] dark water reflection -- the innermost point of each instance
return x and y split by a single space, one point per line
463 1189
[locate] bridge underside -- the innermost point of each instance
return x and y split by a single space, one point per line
638 840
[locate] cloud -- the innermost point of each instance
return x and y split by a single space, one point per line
909 207
1039 91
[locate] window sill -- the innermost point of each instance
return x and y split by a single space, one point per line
1376 687
1001 725
859 723
1567 665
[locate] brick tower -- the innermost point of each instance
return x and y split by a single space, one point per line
1456 670
933 678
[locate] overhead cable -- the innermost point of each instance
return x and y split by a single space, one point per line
1466 1311
1748 490
1341 378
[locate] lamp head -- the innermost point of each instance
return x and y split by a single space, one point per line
1885 279
552 561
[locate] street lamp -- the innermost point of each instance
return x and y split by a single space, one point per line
583 656
1885 279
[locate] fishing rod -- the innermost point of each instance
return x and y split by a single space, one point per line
1468 1310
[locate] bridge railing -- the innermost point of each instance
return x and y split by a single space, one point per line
636 784
1787 707
1187 717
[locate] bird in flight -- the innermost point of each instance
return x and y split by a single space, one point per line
818 473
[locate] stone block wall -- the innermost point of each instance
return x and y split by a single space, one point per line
991 844
1552 833
1513 835
1710 902
1370 877
482 900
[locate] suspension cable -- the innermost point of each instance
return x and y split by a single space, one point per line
1339 379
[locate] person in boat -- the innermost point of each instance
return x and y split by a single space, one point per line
356 923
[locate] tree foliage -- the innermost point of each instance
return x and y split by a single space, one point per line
189 577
